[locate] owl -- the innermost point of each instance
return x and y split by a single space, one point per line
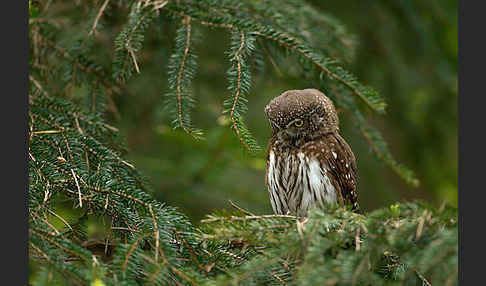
308 162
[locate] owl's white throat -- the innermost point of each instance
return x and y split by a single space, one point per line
297 182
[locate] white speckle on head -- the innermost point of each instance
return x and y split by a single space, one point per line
347 166
334 154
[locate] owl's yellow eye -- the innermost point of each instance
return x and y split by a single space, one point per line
298 122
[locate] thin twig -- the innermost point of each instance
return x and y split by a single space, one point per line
46 132
77 124
232 218
79 189
46 221
130 50
100 12
156 232
61 218
130 251
424 280
357 239
240 208
37 84
420 226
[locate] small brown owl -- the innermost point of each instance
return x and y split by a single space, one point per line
308 162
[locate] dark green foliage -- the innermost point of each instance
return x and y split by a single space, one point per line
403 245
93 219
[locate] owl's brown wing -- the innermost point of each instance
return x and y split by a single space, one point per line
342 167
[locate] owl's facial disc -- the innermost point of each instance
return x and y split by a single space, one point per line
292 131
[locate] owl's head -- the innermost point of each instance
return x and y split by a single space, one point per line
303 113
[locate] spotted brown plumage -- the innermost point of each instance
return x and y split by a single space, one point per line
308 162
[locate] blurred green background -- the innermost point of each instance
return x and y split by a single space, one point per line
407 50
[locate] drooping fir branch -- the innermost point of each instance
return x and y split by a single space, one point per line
130 39
239 76
328 66
298 19
182 68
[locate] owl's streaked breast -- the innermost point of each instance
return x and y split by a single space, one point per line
296 182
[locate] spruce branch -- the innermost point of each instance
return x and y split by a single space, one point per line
282 37
182 67
239 77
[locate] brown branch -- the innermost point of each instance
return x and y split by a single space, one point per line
37 84
130 50
424 280
61 218
191 251
46 132
79 189
235 218
202 22
100 12
187 22
240 208
156 232
46 221
238 90
130 251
